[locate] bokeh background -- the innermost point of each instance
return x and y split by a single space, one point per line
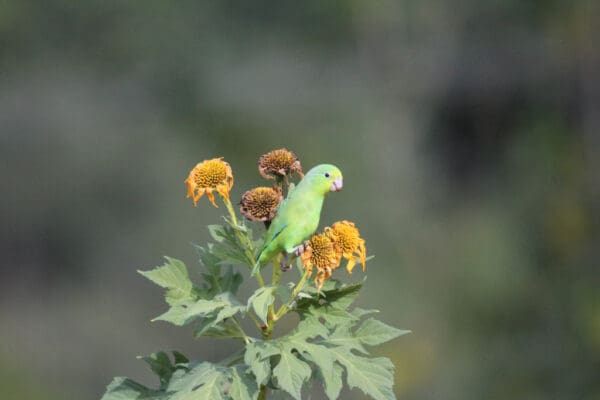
468 133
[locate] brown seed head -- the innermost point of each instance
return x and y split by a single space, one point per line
281 162
260 204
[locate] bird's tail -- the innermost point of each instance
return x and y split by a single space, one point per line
256 268
259 263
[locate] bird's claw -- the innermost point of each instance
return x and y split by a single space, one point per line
285 267
298 250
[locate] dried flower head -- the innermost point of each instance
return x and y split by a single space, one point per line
348 243
281 162
260 204
207 176
320 252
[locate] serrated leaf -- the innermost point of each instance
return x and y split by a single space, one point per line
125 389
183 314
179 358
291 373
334 293
261 300
342 296
342 336
361 312
217 232
299 342
330 315
173 276
223 306
243 385
308 328
332 381
208 328
204 381
214 280
161 365
257 358
214 326
230 281
373 332
374 376
227 247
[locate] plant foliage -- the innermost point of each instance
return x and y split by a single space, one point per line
330 344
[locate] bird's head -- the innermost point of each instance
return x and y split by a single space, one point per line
325 178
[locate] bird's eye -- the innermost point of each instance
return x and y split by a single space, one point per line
326 174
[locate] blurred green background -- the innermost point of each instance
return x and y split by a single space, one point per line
469 137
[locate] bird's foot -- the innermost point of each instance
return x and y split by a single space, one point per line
285 263
298 250
285 267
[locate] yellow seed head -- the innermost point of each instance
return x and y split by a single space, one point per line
209 175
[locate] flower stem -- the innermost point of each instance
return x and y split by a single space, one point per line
255 320
285 308
262 395
274 281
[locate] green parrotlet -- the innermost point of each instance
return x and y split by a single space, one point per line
298 215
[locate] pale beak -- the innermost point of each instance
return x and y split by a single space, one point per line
336 186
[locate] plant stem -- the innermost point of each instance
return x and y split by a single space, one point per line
274 282
276 270
255 320
285 308
273 317
262 395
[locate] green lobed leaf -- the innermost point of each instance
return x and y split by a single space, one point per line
373 332
180 359
243 385
125 389
261 300
203 381
291 373
183 314
298 343
361 312
227 247
343 336
223 306
334 294
332 381
173 276
257 357
330 315
161 365
214 280
330 330
215 326
374 376
342 295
